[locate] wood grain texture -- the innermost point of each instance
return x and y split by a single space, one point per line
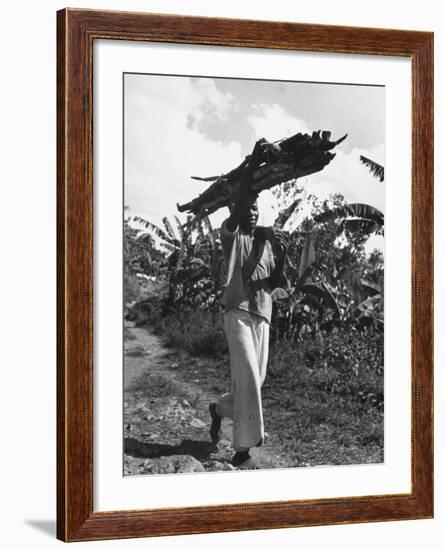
76 32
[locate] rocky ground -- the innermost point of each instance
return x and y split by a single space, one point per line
166 418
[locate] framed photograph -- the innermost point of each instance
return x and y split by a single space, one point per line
245 229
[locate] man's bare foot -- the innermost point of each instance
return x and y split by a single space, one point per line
239 457
249 464
244 461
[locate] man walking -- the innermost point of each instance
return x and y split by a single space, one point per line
252 274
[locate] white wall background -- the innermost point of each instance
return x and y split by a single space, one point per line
28 297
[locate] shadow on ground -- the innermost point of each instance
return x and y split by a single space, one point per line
198 449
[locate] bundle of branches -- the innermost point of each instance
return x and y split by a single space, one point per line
282 161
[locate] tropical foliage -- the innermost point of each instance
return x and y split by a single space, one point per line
331 281
193 263
377 170
330 308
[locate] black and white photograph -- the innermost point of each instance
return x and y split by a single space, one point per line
223 306
253 274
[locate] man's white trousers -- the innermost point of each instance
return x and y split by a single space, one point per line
248 339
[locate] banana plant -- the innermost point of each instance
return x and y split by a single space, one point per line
377 170
355 217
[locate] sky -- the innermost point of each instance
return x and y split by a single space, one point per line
176 127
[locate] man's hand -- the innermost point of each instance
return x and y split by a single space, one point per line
282 241
258 151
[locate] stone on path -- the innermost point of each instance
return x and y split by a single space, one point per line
174 464
197 423
217 466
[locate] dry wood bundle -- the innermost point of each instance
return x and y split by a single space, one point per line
281 161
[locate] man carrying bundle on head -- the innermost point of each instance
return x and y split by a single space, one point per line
252 274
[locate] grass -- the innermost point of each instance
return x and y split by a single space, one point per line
199 332
322 398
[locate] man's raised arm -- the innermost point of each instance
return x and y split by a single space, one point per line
244 191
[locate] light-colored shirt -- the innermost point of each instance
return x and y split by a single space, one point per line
249 265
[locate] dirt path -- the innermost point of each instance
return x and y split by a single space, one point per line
166 419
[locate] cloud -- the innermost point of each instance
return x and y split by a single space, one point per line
272 122
212 103
345 174
348 176
164 144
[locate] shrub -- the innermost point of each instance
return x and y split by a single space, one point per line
345 363
132 290
197 331
210 342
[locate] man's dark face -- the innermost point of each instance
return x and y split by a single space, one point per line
249 216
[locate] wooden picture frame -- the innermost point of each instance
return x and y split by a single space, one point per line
76 32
